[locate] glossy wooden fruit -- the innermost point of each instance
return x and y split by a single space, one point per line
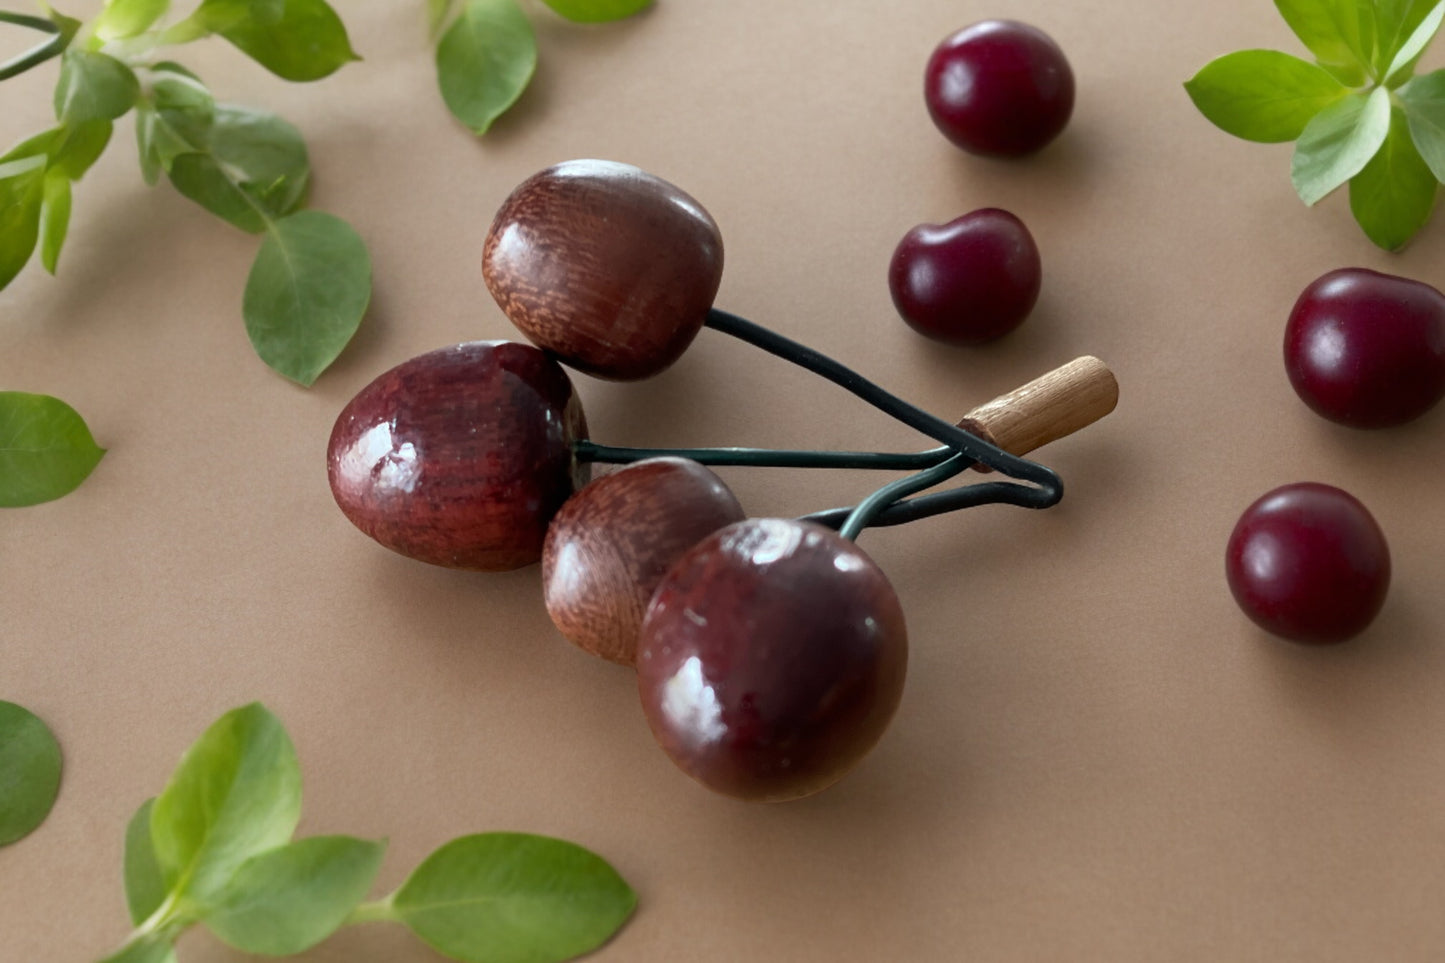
460 457
610 545
771 659
605 265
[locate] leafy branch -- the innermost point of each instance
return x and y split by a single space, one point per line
311 281
1357 114
487 51
215 848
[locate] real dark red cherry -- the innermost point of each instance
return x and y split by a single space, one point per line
610 545
460 457
607 266
969 281
1308 563
1367 349
771 659
999 88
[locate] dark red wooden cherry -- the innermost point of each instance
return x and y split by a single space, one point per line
999 88
607 266
1367 349
771 659
611 544
1308 563
461 456
969 281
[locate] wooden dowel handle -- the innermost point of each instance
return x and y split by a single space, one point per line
1046 409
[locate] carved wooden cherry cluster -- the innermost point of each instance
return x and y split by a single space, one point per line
770 653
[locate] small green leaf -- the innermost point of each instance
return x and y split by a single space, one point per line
184 105
29 770
128 18
145 885
236 793
147 128
294 39
597 11
307 293
54 218
1263 95
1339 142
151 950
1334 31
1393 196
289 899
485 60
80 146
46 450
1424 102
93 86
21 194
513 898
1410 51
38 146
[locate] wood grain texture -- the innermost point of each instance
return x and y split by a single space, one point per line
460 456
610 545
607 266
1053 405
772 659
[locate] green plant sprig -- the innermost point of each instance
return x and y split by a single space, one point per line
487 50
46 449
30 766
311 281
1357 114
216 848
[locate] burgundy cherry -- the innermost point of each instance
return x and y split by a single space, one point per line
999 88
610 545
605 265
1308 563
772 659
1367 349
461 456
969 281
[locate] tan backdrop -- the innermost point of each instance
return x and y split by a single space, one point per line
1097 756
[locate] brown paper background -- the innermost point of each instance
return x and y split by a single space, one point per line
1097 756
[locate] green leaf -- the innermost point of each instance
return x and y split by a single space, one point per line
29 771
184 104
294 39
1339 142
80 146
1409 52
145 885
597 11
128 18
1393 196
513 898
38 146
307 293
1424 101
45 449
93 86
289 899
54 218
147 129
236 793
21 194
437 12
1334 31
150 950
1263 95
485 60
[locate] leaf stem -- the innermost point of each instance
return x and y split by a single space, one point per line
42 24
36 56
377 911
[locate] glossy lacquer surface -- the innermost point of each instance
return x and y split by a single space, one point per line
999 88
610 545
461 456
611 268
969 281
1367 349
1309 563
772 658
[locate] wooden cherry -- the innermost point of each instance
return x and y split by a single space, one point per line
610 545
771 659
460 457
609 267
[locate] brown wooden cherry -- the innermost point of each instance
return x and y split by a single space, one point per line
460 457
611 544
605 265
